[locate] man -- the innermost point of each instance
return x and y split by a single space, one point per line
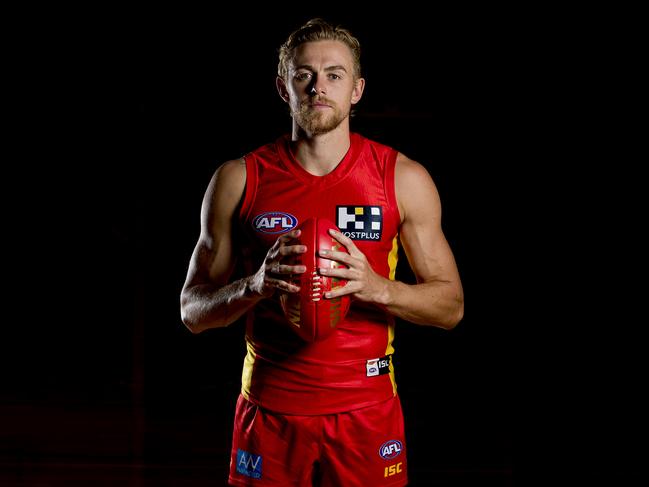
313 412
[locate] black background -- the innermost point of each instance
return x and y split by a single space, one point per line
135 110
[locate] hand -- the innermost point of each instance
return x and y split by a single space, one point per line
272 273
362 282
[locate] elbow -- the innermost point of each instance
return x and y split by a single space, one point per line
190 324
459 312
195 320
189 315
454 315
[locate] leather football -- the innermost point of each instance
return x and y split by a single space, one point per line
311 315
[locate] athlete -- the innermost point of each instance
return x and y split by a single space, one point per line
327 412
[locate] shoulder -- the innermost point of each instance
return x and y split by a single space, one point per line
413 184
232 170
228 181
409 172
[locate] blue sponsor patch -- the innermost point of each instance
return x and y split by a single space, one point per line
248 464
390 449
274 222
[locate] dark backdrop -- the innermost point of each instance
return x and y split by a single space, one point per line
104 384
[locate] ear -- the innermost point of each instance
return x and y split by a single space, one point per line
281 88
357 92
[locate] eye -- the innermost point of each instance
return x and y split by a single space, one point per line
334 76
303 76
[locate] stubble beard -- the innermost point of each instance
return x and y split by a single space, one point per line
318 122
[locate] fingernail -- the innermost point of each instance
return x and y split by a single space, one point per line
324 252
323 270
303 249
301 268
327 295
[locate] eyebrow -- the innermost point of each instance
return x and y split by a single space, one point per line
337 67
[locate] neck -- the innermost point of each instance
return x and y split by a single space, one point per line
321 154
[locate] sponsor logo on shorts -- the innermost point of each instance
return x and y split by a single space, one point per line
390 449
274 222
248 464
360 222
378 366
393 469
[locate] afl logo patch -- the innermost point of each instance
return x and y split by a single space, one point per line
274 222
390 449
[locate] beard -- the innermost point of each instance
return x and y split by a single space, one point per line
318 122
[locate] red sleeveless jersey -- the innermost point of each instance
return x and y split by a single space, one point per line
352 368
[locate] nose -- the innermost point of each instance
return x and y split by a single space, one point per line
317 87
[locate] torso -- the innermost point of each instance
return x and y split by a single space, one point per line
281 372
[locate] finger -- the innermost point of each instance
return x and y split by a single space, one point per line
343 257
282 285
292 249
348 288
277 268
287 237
348 274
347 242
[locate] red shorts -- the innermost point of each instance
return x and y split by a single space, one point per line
357 448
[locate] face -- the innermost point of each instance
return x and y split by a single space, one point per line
320 87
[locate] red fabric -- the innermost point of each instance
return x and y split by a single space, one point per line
285 373
354 449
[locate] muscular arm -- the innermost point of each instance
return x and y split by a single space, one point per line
437 298
208 299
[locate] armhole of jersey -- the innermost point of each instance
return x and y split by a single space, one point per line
390 181
251 187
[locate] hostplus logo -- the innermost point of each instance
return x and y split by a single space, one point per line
360 222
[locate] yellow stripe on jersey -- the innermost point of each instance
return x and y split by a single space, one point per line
246 375
393 257
389 351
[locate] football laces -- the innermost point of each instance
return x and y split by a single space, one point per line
316 287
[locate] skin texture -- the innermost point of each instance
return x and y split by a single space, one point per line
320 90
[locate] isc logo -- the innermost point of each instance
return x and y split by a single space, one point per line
393 470
378 366
274 222
390 449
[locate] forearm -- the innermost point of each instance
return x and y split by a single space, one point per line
437 303
206 306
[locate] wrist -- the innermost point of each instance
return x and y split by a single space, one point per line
386 296
254 288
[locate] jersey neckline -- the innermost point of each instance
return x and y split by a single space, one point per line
340 172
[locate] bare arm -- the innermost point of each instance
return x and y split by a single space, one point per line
437 299
208 300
